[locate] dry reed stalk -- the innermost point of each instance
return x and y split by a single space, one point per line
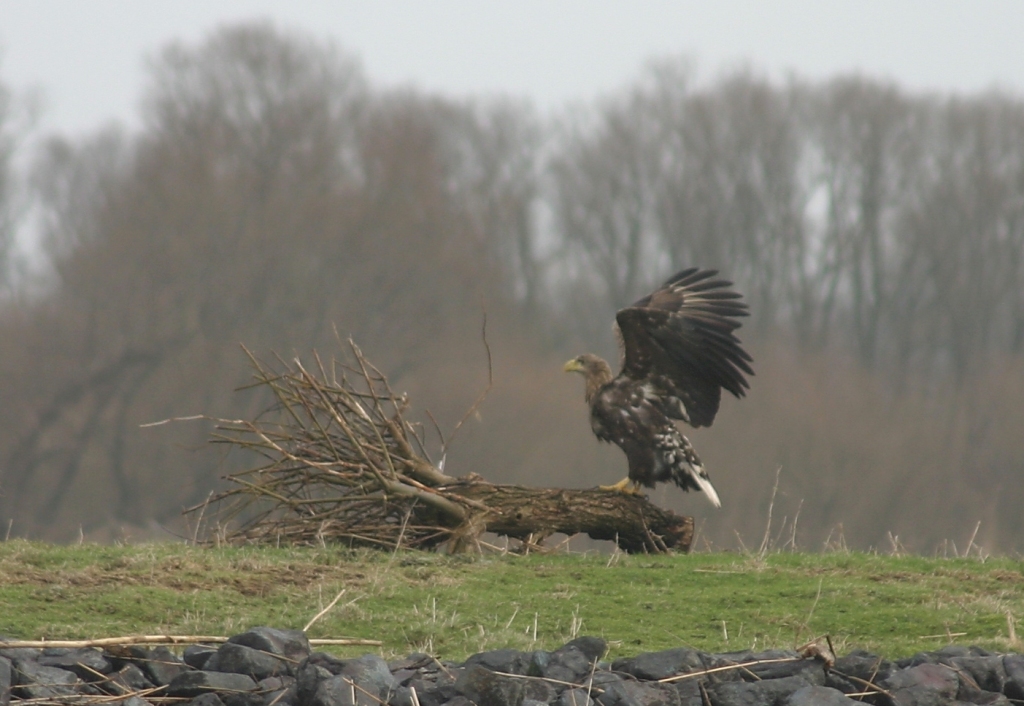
166 640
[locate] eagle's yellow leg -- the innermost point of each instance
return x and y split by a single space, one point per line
623 486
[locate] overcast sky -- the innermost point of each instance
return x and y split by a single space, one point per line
87 55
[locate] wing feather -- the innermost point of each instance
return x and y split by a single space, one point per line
679 342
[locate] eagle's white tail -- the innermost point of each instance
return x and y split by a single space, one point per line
705 485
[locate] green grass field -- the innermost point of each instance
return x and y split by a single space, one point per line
455 606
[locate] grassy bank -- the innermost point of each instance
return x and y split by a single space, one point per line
452 606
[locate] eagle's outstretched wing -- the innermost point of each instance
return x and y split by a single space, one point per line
678 342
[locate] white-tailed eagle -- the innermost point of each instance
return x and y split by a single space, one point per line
679 352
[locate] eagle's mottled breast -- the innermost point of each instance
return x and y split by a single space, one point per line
621 413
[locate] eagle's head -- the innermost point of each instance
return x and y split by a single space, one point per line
593 368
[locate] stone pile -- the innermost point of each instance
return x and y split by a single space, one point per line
270 667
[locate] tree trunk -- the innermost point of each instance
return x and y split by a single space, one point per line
631 521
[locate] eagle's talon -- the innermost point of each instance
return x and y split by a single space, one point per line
624 486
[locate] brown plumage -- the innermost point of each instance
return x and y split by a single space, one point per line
678 353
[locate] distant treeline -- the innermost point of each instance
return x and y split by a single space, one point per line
276 198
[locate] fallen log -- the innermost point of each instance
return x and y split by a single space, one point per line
631 521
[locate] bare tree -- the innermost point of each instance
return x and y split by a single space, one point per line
604 180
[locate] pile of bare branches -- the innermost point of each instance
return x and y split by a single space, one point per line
342 464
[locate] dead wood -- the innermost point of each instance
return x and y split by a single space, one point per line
342 464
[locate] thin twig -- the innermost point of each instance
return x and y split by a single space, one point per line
715 670
763 551
324 611
166 640
483 395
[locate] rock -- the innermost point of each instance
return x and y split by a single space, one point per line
864 666
483 686
986 671
593 647
818 696
371 673
307 678
240 659
34 681
631 693
463 701
331 663
758 693
429 693
290 644
159 664
1013 666
923 685
575 697
341 691
365 680
508 661
279 691
127 679
661 665
13 653
6 681
86 662
414 661
195 656
571 662
134 701
207 699
191 684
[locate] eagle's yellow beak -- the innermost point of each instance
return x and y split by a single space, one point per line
573 366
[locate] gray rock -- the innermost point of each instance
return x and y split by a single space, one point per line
34 681
127 679
1013 665
483 686
13 653
371 673
652 666
463 701
307 677
134 701
986 671
427 693
818 696
341 691
6 681
413 661
207 699
161 665
365 680
290 644
192 684
508 661
575 697
240 659
759 693
631 693
86 662
195 656
926 684
572 662
593 647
